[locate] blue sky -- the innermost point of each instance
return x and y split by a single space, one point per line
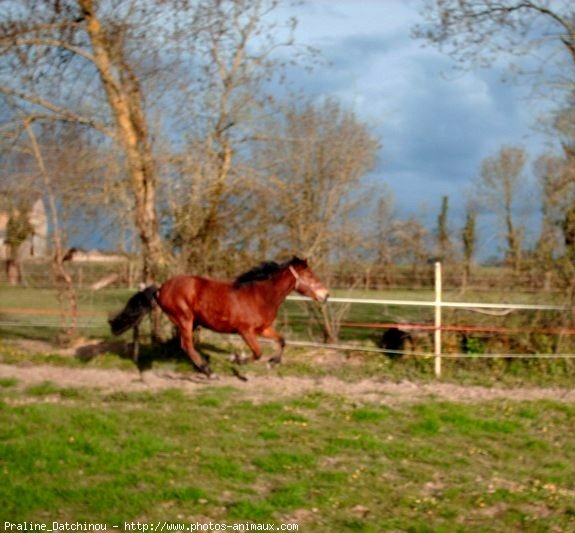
435 125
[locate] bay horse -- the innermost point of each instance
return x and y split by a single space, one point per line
247 305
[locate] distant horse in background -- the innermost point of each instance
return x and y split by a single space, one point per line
248 305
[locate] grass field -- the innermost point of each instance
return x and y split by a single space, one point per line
323 461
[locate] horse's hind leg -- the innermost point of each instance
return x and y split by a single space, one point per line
271 333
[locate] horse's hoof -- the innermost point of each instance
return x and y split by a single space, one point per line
240 359
240 376
207 371
273 362
213 377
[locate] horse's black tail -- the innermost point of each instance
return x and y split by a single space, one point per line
136 309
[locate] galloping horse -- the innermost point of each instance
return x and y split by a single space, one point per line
248 305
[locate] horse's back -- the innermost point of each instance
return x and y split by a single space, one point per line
205 301
183 290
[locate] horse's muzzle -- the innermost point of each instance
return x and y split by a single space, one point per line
322 295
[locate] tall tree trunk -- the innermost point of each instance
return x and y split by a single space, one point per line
13 268
124 96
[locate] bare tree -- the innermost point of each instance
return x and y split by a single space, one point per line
47 170
411 246
469 238
311 169
313 166
559 176
384 238
239 42
142 74
18 230
556 176
57 58
549 249
554 188
63 280
479 32
498 186
443 239
18 192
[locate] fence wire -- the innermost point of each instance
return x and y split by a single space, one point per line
95 324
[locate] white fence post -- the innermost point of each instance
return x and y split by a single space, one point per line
437 331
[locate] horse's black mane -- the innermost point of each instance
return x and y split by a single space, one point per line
265 271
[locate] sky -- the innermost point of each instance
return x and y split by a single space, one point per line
435 126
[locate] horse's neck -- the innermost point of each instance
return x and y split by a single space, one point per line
277 288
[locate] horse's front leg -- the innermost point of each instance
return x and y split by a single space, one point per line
251 339
271 333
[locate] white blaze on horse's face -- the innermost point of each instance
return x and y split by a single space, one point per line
321 294
308 285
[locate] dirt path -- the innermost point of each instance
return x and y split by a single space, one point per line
262 388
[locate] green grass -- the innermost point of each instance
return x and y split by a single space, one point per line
329 462
8 382
94 307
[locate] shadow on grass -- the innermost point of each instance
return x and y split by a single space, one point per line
148 353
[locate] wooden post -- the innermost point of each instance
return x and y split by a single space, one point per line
437 331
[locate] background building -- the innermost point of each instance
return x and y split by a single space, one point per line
35 246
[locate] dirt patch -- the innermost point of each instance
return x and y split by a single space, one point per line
258 388
264 388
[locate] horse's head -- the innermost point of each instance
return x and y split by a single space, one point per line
305 281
